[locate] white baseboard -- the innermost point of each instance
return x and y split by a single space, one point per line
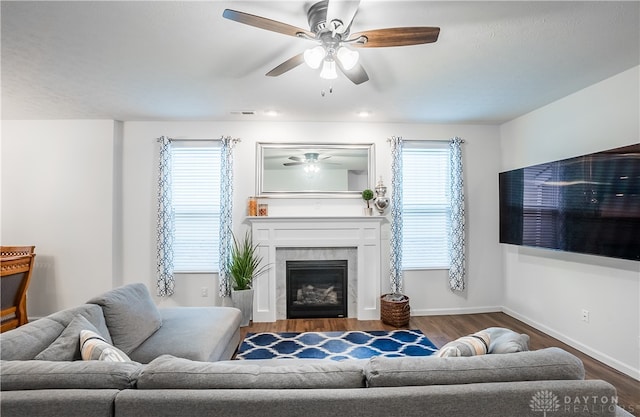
602 357
447 311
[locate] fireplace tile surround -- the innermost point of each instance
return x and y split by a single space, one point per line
355 238
312 254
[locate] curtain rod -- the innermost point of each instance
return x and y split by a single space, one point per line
428 140
234 140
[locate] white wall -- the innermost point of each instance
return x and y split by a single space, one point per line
58 194
549 289
428 289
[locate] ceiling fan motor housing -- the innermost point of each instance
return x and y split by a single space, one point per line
317 18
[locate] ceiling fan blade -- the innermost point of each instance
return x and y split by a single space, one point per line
344 11
287 65
356 74
296 158
288 164
396 37
264 23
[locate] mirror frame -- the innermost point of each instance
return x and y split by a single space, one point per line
298 147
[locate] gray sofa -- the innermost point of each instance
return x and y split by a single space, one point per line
178 371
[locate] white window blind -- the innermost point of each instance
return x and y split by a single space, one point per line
426 205
196 204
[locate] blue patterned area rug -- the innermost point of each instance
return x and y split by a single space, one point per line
335 345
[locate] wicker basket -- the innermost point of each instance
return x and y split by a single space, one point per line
395 313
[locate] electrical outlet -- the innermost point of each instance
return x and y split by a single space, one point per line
204 292
585 315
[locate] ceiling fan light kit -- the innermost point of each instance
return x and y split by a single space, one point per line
329 70
314 56
330 26
347 57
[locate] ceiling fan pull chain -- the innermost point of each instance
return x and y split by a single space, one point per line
322 92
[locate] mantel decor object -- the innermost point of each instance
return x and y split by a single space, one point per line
381 202
367 196
252 206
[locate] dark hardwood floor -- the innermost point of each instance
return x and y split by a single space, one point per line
442 329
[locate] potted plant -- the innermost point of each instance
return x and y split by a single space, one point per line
244 267
367 196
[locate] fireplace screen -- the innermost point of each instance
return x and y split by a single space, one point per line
316 288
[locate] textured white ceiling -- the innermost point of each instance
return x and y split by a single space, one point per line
168 60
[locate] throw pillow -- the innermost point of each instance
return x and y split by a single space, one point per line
507 341
471 345
67 346
93 347
131 315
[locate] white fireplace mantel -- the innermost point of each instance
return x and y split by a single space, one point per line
359 232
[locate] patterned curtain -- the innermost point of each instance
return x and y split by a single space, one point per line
457 238
226 213
165 226
396 215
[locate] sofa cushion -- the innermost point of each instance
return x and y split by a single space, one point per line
25 342
168 372
94 347
199 333
545 364
93 313
35 375
131 315
471 345
67 346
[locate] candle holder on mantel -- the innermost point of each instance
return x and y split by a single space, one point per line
381 202
252 206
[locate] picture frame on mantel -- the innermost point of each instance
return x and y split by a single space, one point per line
299 170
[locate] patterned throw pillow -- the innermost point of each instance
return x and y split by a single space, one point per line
94 347
471 345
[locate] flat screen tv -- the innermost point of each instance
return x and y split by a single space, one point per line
588 204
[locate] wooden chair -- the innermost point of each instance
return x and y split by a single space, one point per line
11 251
15 273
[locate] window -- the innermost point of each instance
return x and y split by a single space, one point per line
426 205
196 204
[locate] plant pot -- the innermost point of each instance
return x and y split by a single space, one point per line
368 211
243 300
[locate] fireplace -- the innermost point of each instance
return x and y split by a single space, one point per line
354 238
316 288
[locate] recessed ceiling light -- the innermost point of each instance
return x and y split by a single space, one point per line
364 113
244 112
271 113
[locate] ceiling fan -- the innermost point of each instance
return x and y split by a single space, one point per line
330 27
310 158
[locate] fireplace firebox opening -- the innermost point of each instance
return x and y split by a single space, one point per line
316 288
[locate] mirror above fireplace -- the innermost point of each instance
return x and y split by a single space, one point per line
313 170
